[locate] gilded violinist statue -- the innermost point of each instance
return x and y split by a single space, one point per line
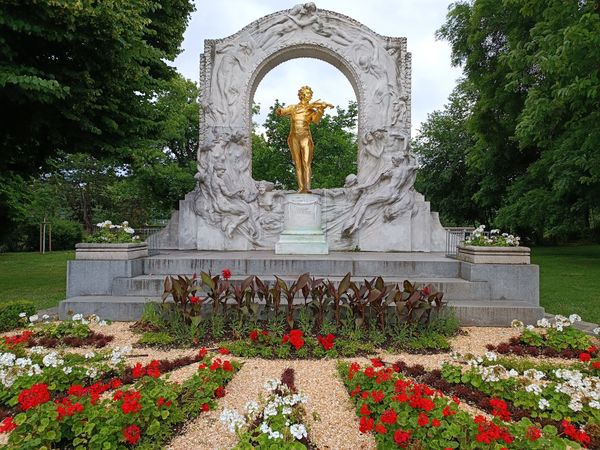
300 140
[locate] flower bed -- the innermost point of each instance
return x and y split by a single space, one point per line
358 317
274 422
406 414
557 338
144 414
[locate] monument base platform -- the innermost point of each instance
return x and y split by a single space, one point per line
481 294
302 234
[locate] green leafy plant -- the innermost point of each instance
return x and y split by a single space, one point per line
10 313
113 234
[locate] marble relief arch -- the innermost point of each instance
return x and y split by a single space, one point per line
229 210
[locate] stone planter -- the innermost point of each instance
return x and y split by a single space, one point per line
493 255
111 251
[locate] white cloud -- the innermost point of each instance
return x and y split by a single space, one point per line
432 77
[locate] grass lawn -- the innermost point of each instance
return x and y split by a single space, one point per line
570 280
35 277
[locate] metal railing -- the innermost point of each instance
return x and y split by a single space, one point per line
454 235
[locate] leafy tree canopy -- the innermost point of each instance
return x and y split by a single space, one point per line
534 66
80 76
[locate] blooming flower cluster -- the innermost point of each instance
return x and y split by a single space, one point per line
53 419
494 238
403 413
295 338
112 233
275 418
327 342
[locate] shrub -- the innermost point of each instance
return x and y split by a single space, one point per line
9 313
65 234
158 339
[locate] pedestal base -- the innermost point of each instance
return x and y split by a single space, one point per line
302 234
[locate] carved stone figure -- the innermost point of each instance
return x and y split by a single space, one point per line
392 187
372 159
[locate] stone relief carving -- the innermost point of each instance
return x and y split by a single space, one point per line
238 212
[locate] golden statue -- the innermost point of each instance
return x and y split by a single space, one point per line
300 140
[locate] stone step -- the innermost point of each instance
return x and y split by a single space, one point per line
468 312
453 288
360 264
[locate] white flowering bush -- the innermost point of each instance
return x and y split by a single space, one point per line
110 233
494 238
273 422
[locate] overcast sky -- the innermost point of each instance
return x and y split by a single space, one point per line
432 77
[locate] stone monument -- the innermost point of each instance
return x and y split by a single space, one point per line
232 221
377 209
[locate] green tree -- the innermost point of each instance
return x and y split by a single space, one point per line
81 77
335 152
442 145
535 68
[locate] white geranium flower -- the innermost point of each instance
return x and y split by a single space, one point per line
45 317
298 430
491 356
596 331
67 370
21 315
232 419
92 372
535 388
530 327
543 323
516 324
543 404
252 407
128 230
271 385
52 360
574 318
77 317
575 405
89 355
34 318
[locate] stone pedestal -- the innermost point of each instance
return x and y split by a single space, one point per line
493 255
111 251
302 233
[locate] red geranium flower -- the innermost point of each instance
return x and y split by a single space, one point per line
131 403
585 357
366 424
436 422
364 409
220 392
205 407
592 349
596 364
389 417
296 339
194 299
227 366
7 425
533 433
423 419
327 342
131 434
36 395
401 437
224 351
377 396
253 335
202 353
138 371
376 362
379 428
226 273
152 369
